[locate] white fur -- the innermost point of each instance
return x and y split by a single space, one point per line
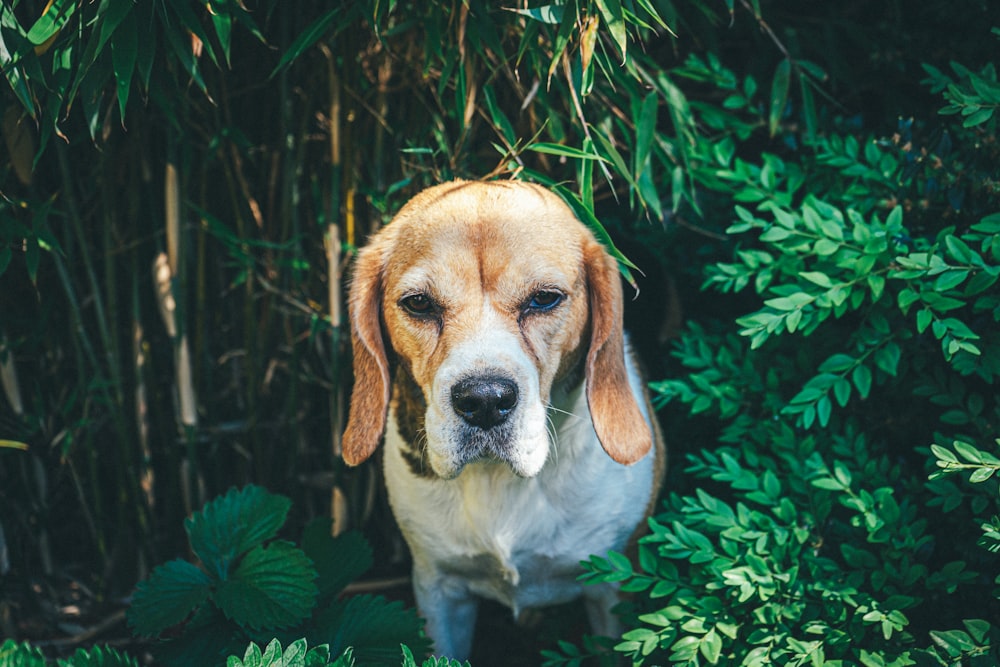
515 538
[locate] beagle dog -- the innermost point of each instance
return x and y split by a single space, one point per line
489 356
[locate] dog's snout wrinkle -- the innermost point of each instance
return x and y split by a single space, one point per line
484 402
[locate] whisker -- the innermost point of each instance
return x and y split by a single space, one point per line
561 411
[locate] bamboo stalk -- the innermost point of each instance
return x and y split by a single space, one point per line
339 506
8 377
168 272
186 395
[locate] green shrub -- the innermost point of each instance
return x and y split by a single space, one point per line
298 654
249 585
25 655
812 534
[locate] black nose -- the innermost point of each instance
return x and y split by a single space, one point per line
484 402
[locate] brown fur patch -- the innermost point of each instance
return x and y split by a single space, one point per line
410 408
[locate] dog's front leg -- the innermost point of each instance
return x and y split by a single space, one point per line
449 609
599 600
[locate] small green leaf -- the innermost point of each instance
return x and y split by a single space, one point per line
968 452
862 379
943 454
981 474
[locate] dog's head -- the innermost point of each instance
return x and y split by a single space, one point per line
487 294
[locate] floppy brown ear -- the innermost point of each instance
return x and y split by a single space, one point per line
370 399
619 423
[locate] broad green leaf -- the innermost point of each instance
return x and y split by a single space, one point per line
272 588
231 525
172 592
338 560
373 626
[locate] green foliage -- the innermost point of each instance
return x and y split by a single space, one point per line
869 265
296 655
409 661
98 656
248 584
24 655
13 654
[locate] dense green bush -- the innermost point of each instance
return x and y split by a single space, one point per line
819 532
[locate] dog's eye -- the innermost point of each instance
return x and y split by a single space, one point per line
544 300
418 304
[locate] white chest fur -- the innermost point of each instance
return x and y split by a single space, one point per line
519 541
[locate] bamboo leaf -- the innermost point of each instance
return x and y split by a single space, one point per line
564 151
51 21
566 27
124 47
223 24
645 131
779 94
611 13
12 444
307 38
550 14
12 47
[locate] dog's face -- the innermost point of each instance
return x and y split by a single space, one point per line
487 294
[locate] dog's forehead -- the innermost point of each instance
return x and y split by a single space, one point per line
486 232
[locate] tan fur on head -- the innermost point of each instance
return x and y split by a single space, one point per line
480 247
